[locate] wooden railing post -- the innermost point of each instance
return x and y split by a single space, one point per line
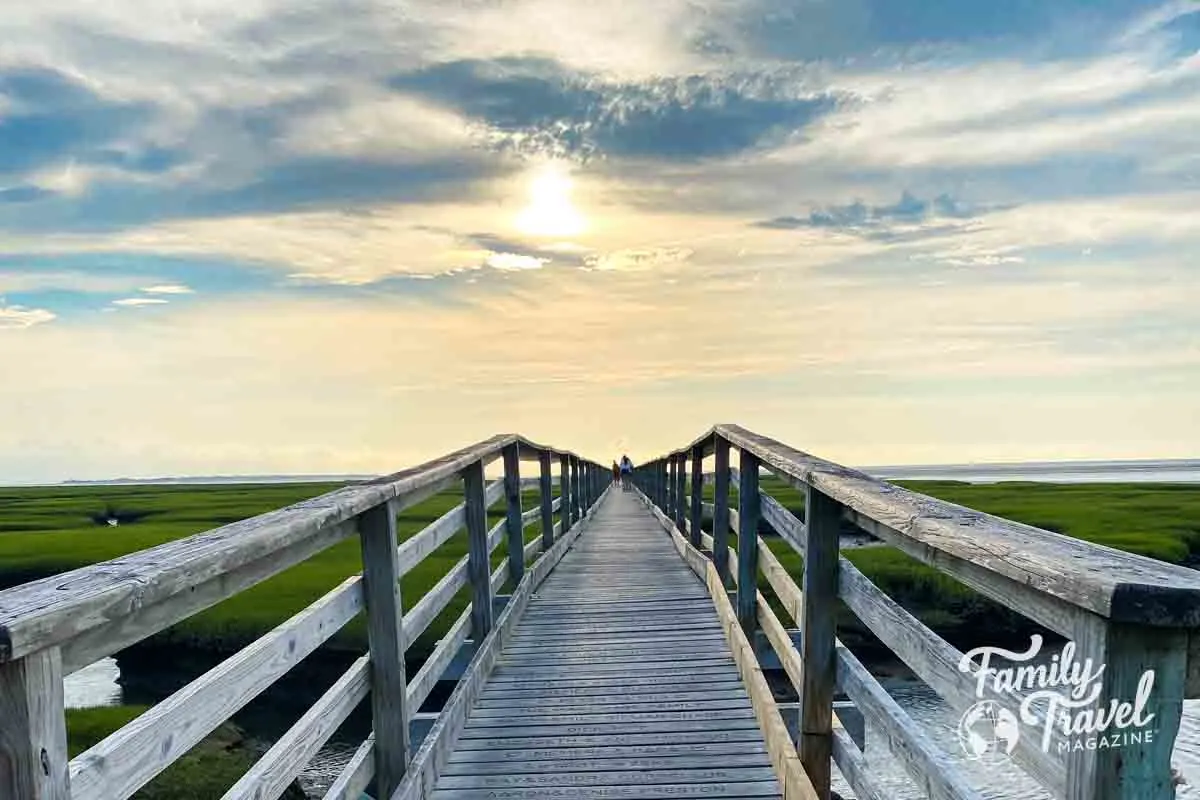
1132 772
33 728
514 527
663 495
479 567
697 510
681 515
576 491
564 491
385 637
749 509
669 487
817 636
546 485
720 530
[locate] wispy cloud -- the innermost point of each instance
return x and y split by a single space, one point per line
167 288
139 301
13 316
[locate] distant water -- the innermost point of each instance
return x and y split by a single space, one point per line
1172 471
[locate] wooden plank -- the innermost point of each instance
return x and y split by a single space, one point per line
710 774
133 755
720 546
436 747
547 499
747 571
547 757
515 524
689 760
1120 586
419 618
619 739
934 773
352 782
633 719
783 522
694 527
416 548
723 790
650 704
274 772
56 609
389 709
431 671
478 555
818 632
572 687
33 733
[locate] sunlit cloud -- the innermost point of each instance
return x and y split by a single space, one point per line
139 301
13 316
167 288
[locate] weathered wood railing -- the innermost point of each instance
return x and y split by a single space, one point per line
52 627
1127 613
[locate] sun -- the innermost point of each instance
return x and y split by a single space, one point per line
550 211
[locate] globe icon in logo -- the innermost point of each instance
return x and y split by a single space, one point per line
988 732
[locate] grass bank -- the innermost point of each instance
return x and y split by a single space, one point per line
48 530
205 772
1160 521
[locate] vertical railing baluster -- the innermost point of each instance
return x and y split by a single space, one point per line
576 491
697 510
564 491
749 510
669 487
386 644
478 558
546 485
721 509
514 527
680 491
33 729
662 485
817 636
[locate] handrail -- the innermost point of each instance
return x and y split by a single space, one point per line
1131 614
52 626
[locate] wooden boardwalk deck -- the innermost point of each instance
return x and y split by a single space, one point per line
618 682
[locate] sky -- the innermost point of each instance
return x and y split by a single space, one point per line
323 236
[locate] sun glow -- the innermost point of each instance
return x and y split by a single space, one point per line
550 211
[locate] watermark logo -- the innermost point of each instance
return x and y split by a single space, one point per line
1056 697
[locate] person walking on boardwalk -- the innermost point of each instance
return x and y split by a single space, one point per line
626 472
616 472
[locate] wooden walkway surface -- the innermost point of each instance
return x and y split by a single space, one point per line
618 682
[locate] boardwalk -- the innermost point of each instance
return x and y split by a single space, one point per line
616 666
618 683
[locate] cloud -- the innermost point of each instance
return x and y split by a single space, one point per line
13 316
139 301
511 262
49 117
638 259
167 288
908 209
538 105
24 194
